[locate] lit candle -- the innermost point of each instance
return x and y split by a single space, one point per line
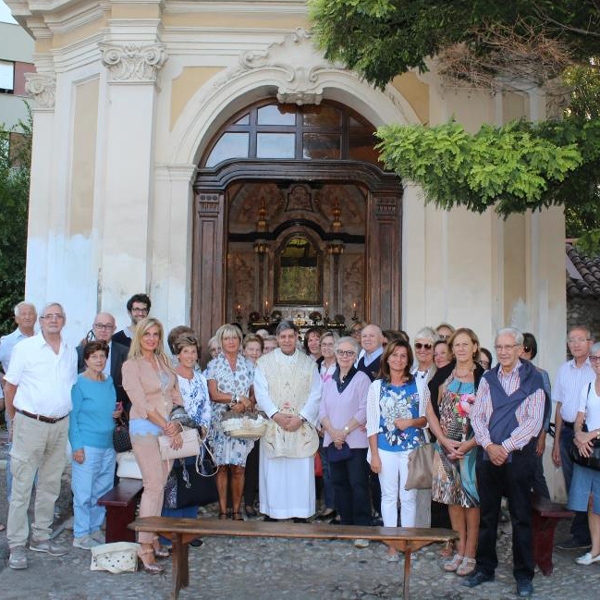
239 307
326 304
354 305
266 304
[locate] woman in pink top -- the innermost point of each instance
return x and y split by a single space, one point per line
343 416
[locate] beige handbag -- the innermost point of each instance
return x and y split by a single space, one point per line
190 447
120 557
420 468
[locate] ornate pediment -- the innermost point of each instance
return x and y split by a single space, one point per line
300 63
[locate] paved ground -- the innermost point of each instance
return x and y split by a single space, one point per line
269 569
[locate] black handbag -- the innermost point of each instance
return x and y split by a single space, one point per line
593 460
121 439
338 454
191 482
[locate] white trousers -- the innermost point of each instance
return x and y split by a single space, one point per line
394 471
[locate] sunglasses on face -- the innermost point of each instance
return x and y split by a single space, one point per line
527 349
420 346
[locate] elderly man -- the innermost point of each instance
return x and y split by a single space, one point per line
287 386
507 417
138 308
371 341
38 386
572 377
103 329
25 318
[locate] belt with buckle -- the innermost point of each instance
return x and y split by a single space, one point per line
40 417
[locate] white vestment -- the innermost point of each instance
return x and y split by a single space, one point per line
287 485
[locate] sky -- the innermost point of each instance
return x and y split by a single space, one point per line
5 16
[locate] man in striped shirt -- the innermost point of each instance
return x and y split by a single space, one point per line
507 418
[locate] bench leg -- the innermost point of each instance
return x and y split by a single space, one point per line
407 557
180 573
117 519
543 541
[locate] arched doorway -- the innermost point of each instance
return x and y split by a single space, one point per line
277 173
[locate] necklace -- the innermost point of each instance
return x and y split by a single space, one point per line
465 374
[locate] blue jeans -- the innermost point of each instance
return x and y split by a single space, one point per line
89 481
580 529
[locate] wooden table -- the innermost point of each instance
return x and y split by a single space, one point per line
183 531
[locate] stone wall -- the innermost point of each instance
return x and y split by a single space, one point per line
584 312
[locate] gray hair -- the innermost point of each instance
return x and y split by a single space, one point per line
331 334
284 326
426 333
21 305
49 304
348 339
516 334
588 333
595 348
228 331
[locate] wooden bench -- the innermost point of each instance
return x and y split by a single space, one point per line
545 518
183 531
120 503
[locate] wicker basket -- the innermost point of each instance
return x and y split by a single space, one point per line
250 426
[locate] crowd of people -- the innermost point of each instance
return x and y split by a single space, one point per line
361 404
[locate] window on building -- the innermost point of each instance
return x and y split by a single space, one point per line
7 77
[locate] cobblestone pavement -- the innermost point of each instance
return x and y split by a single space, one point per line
275 569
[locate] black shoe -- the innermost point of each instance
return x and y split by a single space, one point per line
269 519
326 516
299 520
250 511
196 543
524 588
573 544
477 578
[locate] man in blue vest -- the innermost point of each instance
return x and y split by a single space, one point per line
507 417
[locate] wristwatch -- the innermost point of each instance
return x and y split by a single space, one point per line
346 429
234 400
598 434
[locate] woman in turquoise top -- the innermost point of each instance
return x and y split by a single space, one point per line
91 426
395 421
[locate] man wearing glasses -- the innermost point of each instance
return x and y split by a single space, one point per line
507 417
573 376
42 371
138 307
102 331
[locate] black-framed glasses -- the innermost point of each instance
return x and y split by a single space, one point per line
594 359
345 353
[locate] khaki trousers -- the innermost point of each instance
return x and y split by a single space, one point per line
155 471
42 448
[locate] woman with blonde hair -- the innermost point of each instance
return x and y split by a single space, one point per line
230 378
151 384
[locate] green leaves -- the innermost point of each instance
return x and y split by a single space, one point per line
510 168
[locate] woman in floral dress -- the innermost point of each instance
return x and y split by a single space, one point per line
230 378
395 421
454 462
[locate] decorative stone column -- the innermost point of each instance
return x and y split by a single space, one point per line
128 216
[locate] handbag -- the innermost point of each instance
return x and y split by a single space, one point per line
593 460
190 447
121 439
127 467
119 557
191 482
420 468
247 425
180 415
335 455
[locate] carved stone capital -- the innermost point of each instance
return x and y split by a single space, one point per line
133 63
42 87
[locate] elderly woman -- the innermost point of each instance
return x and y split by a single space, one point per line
453 394
230 378
395 422
312 342
585 486
343 415
151 384
90 433
425 368
253 350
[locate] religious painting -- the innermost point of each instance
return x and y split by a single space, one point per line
298 273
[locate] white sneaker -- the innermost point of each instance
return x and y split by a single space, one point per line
587 559
85 542
361 543
98 536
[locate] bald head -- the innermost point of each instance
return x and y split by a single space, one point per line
104 326
371 338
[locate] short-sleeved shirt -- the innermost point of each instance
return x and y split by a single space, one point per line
570 380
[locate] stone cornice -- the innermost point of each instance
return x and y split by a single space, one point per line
132 62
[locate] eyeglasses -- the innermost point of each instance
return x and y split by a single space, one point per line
51 316
578 340
104 326
594 359
420 346
345 353
506 348
142 311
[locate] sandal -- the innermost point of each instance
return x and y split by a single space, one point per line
223 516
236 516
467 566
452 565
150 566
